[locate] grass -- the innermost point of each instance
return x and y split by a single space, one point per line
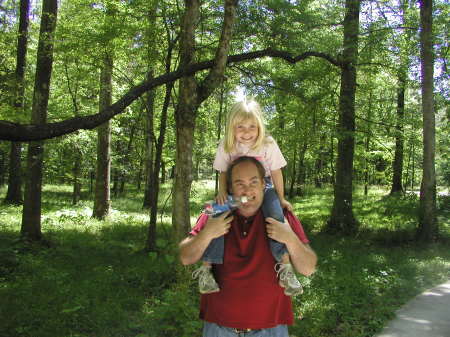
94 280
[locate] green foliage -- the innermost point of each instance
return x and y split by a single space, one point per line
174 313
359 284
91 278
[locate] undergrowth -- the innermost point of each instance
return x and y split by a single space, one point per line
94 279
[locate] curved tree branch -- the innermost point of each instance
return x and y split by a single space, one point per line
30 132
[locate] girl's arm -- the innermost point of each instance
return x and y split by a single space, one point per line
221 197
277 179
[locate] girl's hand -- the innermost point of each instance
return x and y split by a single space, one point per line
221 198
286 204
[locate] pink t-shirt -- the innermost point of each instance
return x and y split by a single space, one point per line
269 154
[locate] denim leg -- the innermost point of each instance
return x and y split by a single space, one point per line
214 330
272 208
214 252
278 249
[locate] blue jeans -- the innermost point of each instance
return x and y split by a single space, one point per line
271 207
214 330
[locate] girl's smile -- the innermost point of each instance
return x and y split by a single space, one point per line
246 131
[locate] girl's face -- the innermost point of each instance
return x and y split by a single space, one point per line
246 132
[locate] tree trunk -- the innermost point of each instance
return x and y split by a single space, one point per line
428 225
2 168
149 144
139 176
151 242
91 181
185 115
78 156
76 194
163 172
31 215
14 192
342 218
115 182
293 175
397 165
123 181
191 95
102 199
367 145
301 177
155 182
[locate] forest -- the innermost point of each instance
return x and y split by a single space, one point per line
110 116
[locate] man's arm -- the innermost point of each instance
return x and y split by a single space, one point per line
301 255
193 247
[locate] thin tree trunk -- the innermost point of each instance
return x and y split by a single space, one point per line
139 176
301 177
14 192
155 182
367 146
163 172
31 215
126 159
366 166
149 144
2 168
77 160
102 199
342 218
115 180
293 175
397 165
428 225
76 195
282 127
151 243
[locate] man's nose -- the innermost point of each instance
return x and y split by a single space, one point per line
246 188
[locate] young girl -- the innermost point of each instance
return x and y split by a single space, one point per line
245 136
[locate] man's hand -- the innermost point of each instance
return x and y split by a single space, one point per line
279 231
217 226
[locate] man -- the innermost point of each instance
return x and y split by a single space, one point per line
250 301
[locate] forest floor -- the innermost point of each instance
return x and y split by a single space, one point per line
93 279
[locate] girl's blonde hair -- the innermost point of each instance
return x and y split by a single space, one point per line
246 109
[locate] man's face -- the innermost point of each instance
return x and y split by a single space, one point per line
246 181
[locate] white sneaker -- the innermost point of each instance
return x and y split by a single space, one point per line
206 282
288 280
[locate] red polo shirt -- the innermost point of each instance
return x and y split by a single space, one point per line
249 296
